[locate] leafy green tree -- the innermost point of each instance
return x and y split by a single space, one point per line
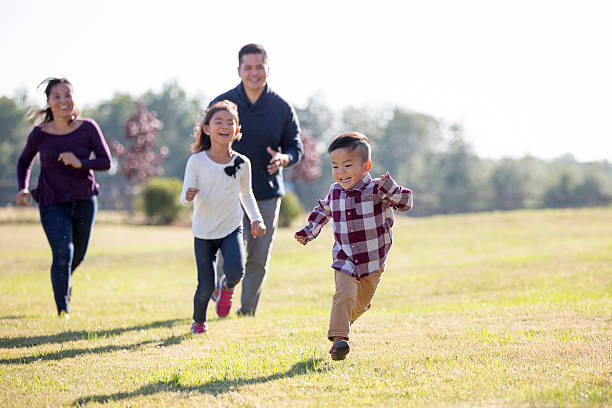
14 129
560 194
406 141
179 115
453 176
508 185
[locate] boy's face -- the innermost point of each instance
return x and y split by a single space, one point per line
348 167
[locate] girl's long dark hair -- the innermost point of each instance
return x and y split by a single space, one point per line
202 140
44 115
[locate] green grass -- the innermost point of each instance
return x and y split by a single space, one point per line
495 309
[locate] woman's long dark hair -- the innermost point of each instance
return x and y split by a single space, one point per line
44 115
202 140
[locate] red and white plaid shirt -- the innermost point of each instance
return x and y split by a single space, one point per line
362 220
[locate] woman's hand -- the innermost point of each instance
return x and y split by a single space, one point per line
191 193
23 197
69 159
258 229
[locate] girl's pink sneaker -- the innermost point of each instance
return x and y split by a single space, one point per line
224 302
199 328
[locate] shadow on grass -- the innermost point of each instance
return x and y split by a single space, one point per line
22 342
14 317
62 354
214 387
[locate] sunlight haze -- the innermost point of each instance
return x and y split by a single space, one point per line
521 77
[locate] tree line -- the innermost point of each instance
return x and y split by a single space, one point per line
422 152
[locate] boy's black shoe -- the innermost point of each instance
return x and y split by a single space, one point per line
339 350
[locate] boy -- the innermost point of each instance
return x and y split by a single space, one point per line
362 212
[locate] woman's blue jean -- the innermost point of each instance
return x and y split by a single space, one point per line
68 228
232 249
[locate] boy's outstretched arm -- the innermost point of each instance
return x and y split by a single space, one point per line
316 221
399 197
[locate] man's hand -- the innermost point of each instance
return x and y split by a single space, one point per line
258 229
302 240
191 193
69 159
277 160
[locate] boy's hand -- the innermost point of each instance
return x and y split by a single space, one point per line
258 229
191 193
382 178
302 240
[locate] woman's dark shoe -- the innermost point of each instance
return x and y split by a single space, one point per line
339 350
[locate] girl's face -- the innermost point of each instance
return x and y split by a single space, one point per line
222 128
60 101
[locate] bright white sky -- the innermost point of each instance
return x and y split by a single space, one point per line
521 76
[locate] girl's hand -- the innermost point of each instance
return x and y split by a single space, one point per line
302 240
191 193
258 229
23 198
382 178
69 159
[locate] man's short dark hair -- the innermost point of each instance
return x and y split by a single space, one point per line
352 141
252 49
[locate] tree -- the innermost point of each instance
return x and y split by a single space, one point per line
453 174
140 161
179 115
14 130
508 185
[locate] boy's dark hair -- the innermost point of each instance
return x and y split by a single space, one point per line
352 141
252 49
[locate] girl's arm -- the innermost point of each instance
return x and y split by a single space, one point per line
398 197
190 182
247 198
317 219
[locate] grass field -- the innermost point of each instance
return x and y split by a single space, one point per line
487 310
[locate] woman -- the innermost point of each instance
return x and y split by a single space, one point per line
67 190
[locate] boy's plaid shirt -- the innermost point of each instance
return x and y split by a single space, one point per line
362 220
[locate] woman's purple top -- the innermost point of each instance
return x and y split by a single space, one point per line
57 182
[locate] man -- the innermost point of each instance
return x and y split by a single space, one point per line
270 130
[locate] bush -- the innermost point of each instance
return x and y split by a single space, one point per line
161 200
290 209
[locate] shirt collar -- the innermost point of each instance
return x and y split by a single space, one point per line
244 96
361 184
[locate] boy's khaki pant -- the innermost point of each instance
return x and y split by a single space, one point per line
352 298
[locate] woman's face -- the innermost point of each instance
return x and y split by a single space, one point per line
60 101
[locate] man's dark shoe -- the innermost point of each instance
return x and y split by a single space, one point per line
339 350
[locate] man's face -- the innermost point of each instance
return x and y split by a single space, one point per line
253 72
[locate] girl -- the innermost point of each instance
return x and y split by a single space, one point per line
67 190
219 180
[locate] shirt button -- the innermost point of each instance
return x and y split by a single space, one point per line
356 261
